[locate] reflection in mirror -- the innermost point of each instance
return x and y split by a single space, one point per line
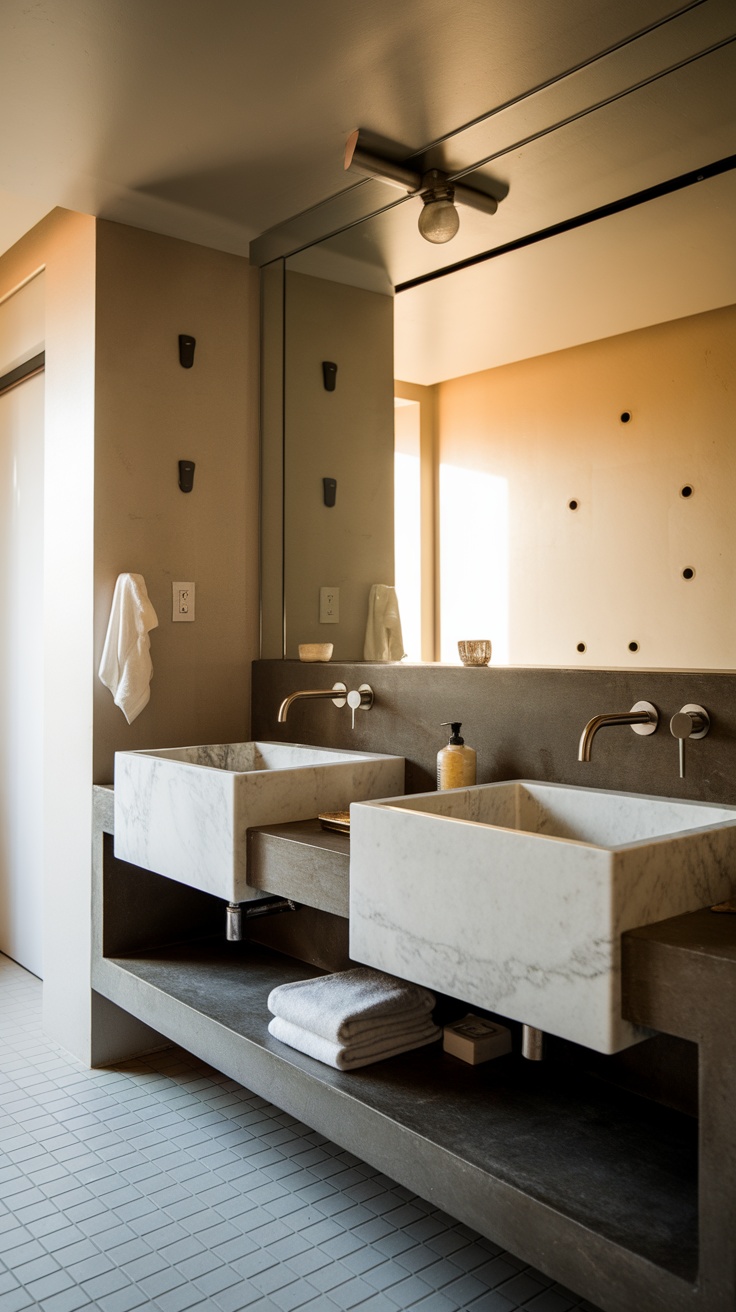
346 435
540 516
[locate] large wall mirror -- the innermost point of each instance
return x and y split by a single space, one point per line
538 447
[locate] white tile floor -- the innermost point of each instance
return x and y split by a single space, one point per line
163 1184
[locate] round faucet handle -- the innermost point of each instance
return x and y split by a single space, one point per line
682 725
355 701
690 722
360 699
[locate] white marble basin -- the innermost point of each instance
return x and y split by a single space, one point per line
184 811
513 896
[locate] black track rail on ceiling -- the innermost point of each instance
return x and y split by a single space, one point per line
558 78
579 221
23 372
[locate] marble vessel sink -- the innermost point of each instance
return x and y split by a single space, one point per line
513 896
184 811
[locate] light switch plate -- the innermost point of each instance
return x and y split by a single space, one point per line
182 603
329 605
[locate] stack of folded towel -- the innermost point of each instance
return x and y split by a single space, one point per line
352 1018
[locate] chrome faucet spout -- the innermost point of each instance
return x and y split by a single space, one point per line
336 693
642 718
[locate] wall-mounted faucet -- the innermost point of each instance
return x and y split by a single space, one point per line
643 718
360 699
315 693
690 722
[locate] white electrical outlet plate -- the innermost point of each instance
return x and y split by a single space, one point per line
182 598
329 605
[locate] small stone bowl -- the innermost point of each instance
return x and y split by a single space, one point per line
475 652
315 651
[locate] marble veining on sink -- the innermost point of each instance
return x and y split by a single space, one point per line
184 812
513 896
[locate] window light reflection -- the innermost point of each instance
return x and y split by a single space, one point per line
474 528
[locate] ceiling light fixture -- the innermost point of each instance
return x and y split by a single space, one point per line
439 219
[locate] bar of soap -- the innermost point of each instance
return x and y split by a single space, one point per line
337 820
475 1039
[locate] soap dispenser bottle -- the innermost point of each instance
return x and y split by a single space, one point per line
455 762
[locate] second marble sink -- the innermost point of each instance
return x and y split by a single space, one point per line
184 812
513 896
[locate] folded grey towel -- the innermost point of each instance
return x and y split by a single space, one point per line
350 1056
350 1003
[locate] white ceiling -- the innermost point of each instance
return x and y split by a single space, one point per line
215 121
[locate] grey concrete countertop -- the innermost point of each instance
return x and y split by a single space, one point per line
302 861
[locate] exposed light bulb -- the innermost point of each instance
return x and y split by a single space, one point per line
438 221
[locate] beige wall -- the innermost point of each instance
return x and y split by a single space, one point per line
546 431
64 245
149 414
348 435
120 413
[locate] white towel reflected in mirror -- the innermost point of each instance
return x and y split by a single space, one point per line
383 638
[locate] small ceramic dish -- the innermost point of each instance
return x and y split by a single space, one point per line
475 652
315 651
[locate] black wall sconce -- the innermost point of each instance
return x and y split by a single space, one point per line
329 487
329 375
186 475
186 350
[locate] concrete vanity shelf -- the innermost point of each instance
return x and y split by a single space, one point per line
473 1140
630 1203
302 861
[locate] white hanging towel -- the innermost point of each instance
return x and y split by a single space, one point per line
126 667
383 639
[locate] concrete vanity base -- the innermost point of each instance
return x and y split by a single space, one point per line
552 1168
613 1195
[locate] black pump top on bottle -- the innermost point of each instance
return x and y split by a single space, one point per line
456 726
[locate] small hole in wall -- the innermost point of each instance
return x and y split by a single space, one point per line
573 505
581 646
688 573
687 490
626 417
633 646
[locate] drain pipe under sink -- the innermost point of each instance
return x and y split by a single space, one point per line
532 1043
237 912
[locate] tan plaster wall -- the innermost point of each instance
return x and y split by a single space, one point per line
120 412
609 572
150 413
